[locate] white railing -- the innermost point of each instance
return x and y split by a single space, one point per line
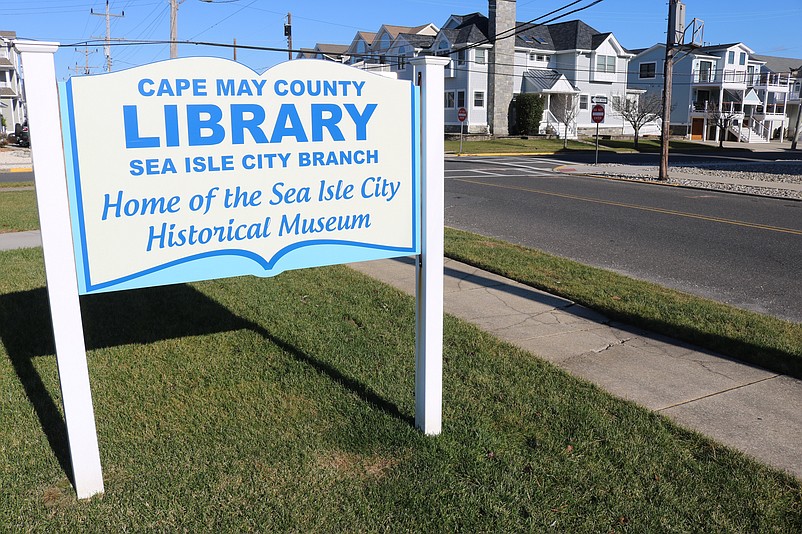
756 132
770 80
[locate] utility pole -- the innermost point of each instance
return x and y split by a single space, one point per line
107 46
235 48
288 34
174 27
86 68
676 27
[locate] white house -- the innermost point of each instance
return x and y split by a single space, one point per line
567 62
727 80
12 103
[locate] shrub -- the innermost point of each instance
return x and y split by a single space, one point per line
529 112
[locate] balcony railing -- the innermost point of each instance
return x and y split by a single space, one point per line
770 80
726 107
717 76
771 109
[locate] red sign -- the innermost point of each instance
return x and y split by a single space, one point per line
597 113
462 114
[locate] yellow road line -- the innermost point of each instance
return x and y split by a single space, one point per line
638 207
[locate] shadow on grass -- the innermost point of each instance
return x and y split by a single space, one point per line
678 335
133 317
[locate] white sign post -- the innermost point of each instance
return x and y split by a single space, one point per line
62 285
429 273
199 168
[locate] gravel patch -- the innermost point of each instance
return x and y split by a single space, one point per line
15 156
766 173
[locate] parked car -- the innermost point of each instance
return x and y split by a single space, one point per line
22 134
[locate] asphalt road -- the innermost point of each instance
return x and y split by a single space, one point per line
738 249
16 176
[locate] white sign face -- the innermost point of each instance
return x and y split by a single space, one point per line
198 168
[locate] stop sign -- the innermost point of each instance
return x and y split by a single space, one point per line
462 114
597 113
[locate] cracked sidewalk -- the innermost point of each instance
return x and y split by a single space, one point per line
745 407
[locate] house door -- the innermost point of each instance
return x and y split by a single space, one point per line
697 129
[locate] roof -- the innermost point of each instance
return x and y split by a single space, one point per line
326 48
8 34
6 92
547 81
417 40
780 64
713 48
472 29
366 36
571 35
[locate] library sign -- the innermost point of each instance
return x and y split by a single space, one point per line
193 169
198 168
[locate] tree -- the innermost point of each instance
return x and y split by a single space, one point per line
637 113
565 108
529 113
720 118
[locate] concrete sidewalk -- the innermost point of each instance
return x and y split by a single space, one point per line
755 411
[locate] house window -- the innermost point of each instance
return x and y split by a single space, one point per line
742 59
532 56
731 57
442 48
480 56
605 64
449 102
648 70
479 99
460 99
402 61
461 57
583 101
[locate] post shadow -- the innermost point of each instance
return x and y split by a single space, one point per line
134 317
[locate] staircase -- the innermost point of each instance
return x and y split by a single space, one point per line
756 132
550 125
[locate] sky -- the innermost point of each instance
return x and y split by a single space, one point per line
769 29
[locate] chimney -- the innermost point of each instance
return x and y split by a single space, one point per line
501 18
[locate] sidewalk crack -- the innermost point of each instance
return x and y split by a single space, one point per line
717 393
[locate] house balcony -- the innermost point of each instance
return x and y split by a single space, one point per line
700 109
718 78
770 110
777 83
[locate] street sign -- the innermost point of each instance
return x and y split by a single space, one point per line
599 99
597 113
462 114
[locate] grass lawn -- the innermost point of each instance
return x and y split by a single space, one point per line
515 144
5 185
286 404
652 144
760 339
18 211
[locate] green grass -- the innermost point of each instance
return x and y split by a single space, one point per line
514 144
751 337
285 404
5 185
18 211
653 145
